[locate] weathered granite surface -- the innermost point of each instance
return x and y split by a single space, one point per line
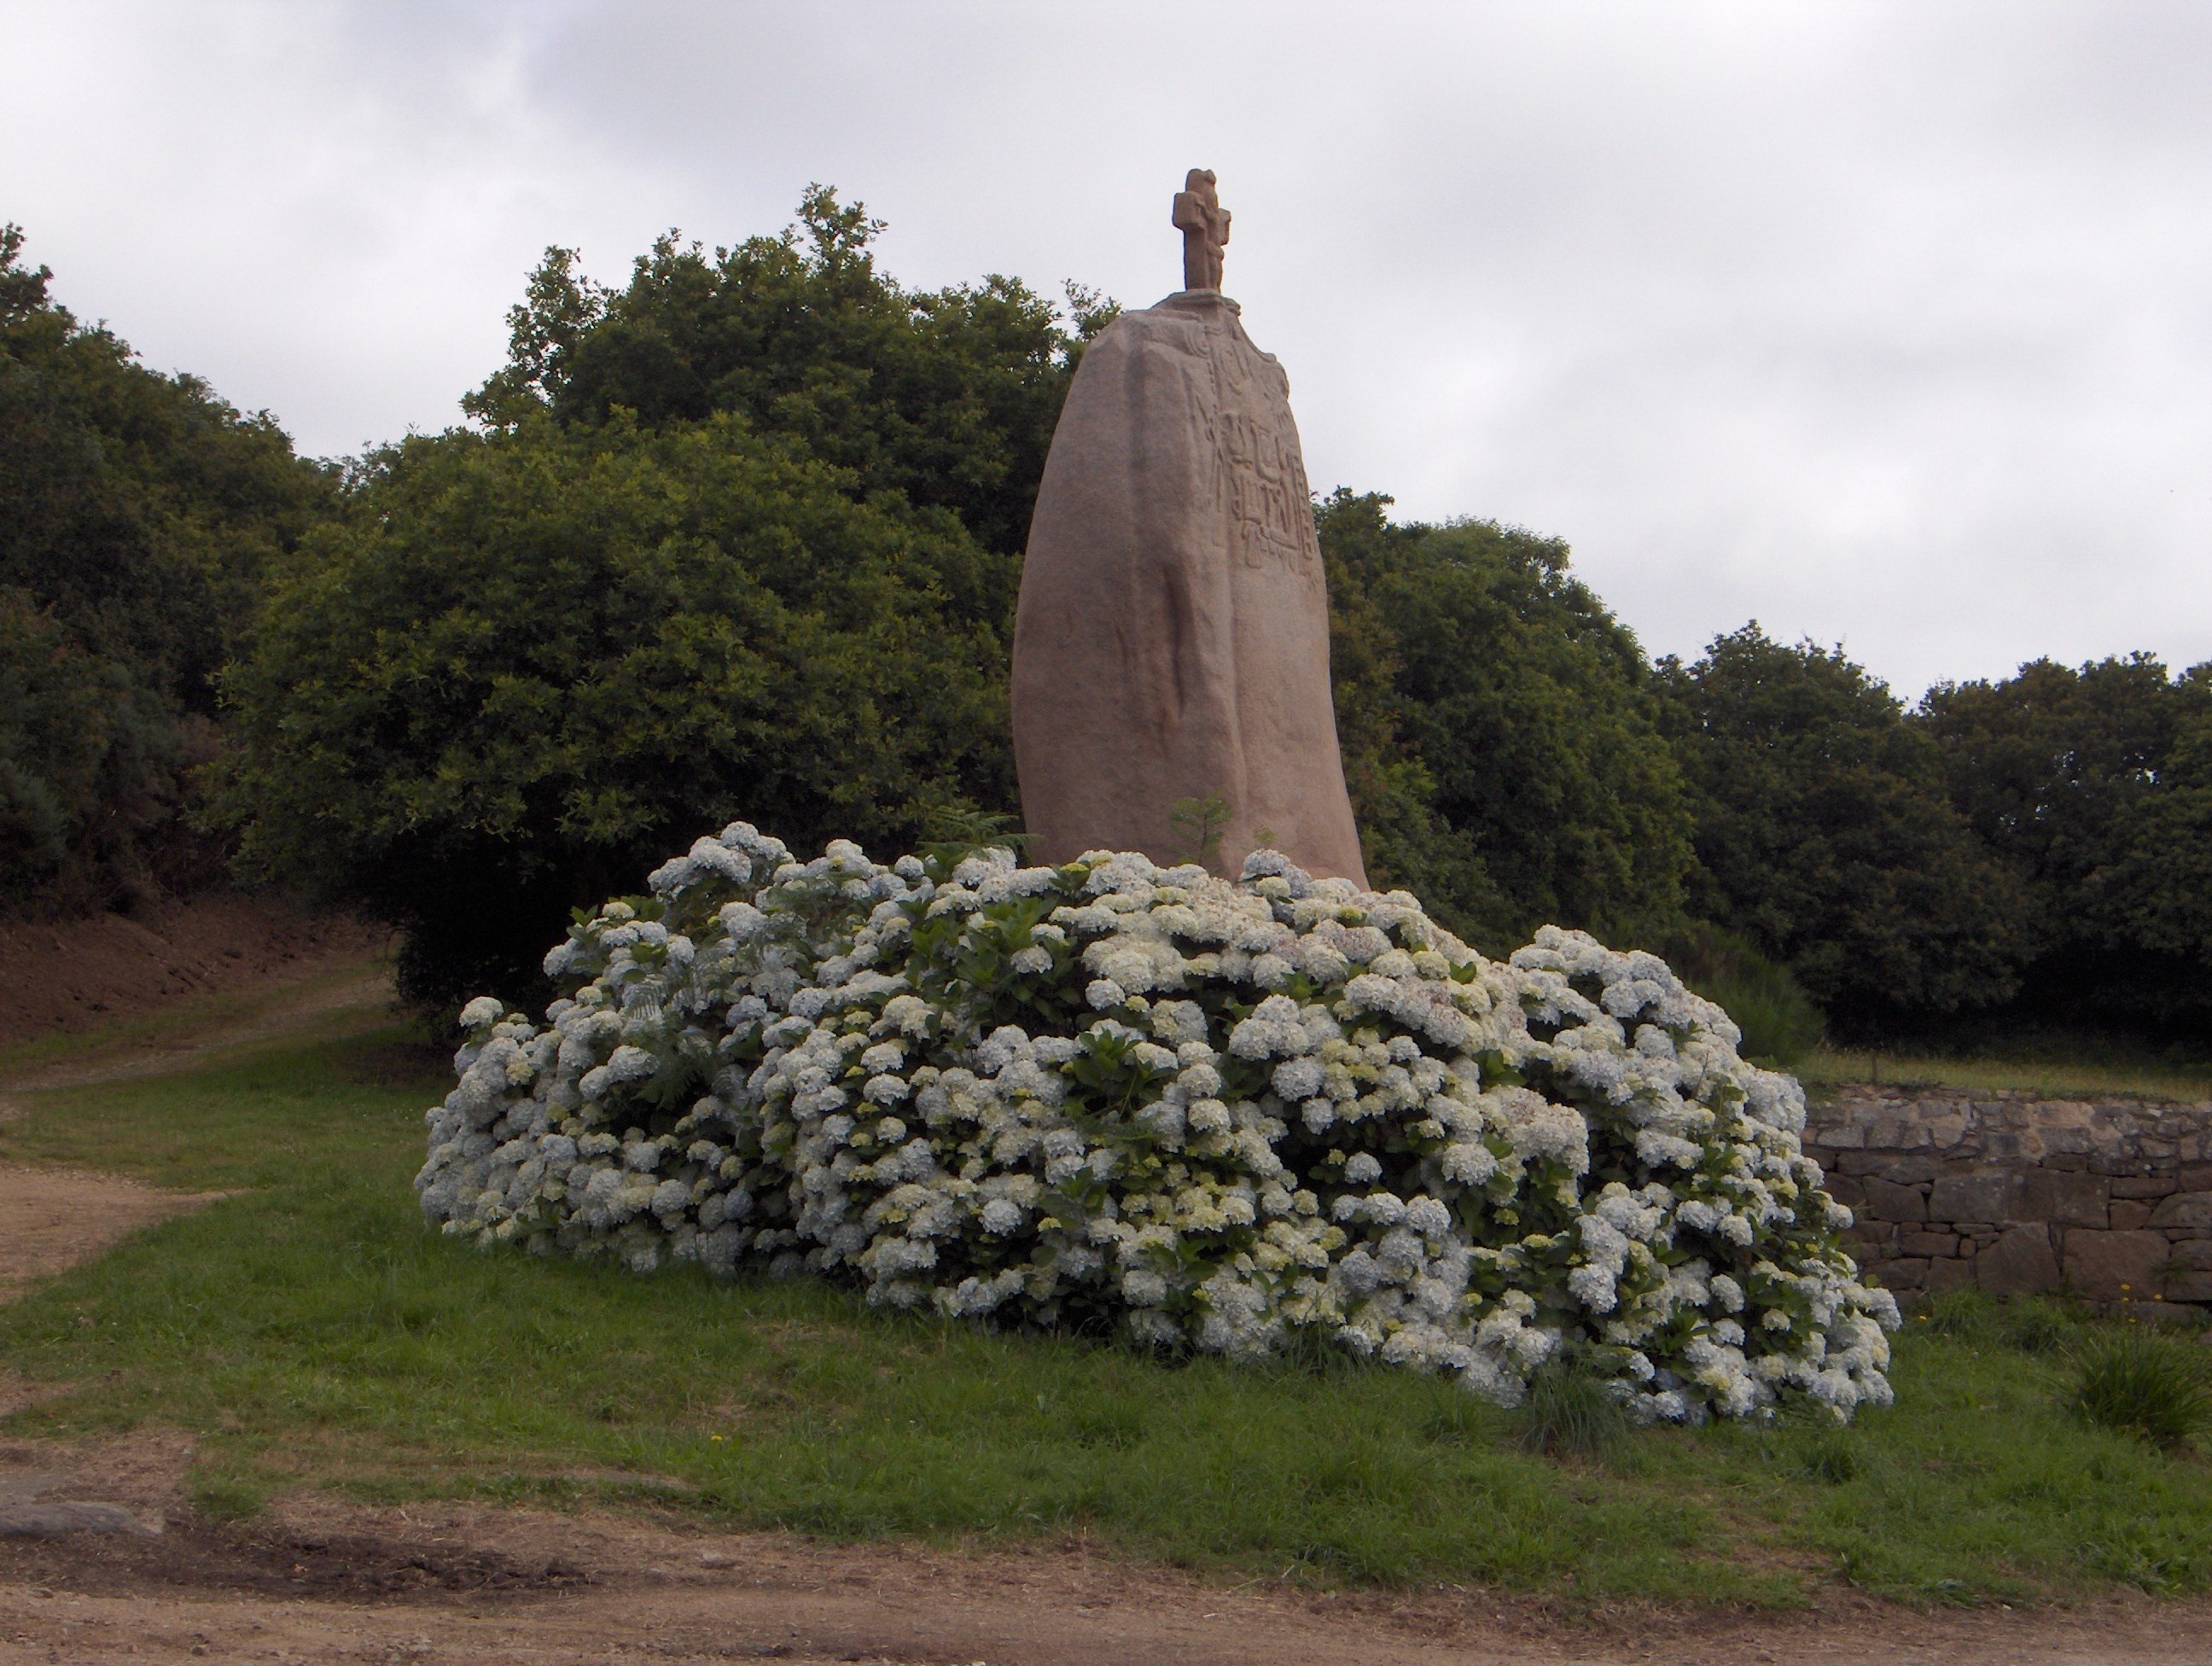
2018 1193
1171 640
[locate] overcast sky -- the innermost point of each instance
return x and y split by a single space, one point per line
1890 325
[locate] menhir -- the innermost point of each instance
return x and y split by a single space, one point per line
1172 639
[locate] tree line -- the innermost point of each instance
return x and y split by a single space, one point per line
141 518
741 538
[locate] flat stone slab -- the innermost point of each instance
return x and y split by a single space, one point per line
49 1519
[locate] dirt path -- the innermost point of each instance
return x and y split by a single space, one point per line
326 1581
52 1217
101 1559
353 992
61 977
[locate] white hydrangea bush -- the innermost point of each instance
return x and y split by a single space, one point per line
1214 1115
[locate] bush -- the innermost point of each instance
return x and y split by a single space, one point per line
2092 783
2144 1384
1829 1455
86 762
137 512
537 653
1204 1114
1501 739
948 398
2034 1324
1779 1022
1823 832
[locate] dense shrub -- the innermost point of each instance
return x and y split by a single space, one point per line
1207 1115
87 761
1779 1022
2165 878
525 659
1502 739
948 398
2038 1324
1570 1412
2095 787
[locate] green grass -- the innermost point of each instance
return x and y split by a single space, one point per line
308 1332
1569 1413
1828 1066
186 1021
2145 1384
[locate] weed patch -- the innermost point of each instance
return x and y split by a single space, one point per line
1569 1413
2142 1383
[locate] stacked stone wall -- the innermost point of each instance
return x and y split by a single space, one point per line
2019 1194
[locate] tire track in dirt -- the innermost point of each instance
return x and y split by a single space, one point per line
475 1584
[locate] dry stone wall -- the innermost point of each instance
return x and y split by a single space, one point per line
2018 1194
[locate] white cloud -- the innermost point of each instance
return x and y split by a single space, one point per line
1883 324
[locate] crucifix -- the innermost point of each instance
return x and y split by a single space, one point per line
1204 227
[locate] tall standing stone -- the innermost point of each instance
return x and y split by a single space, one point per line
1171 641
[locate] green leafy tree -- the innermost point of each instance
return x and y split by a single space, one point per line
529 664
2088 783
949 397
137 512
87 757
1503 740
1823 832
2164 879
1404 838
738 540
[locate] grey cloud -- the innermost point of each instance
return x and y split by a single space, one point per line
1882 323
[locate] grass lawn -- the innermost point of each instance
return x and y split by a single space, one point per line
194 1021
2066 1077
310 1332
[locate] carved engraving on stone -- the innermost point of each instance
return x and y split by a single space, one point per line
1172 636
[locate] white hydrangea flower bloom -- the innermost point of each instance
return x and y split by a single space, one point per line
1226 1112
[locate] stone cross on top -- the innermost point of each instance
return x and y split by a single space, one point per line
1204 227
